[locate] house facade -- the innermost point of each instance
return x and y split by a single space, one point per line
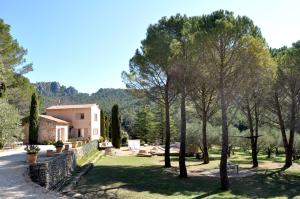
63 122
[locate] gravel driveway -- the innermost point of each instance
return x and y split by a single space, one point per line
14 181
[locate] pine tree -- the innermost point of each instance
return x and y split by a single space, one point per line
159 125
34 120
144 125
116 126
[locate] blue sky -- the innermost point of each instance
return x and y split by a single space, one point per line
87 44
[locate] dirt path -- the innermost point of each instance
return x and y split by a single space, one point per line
14 181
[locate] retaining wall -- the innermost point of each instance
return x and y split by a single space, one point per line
85 149
53 171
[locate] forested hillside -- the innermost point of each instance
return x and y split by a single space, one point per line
52 93
133 109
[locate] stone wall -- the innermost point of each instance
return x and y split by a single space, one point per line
85 149
47 131
52 172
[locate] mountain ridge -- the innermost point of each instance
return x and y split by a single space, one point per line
53 93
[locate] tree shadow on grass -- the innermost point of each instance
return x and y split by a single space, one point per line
261 185
155 179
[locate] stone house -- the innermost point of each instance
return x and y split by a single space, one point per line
63 122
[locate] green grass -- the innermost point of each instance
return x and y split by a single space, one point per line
137 177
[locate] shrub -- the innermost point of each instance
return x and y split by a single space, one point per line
49 142
72 140
32 149
101 139
125 138
59 143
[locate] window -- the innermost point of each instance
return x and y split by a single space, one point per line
79 133
79 116
95 117
95 131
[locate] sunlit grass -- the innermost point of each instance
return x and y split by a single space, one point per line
87 157
144 177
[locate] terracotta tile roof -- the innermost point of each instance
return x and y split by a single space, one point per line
71 106
48 117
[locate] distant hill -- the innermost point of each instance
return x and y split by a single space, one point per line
53 93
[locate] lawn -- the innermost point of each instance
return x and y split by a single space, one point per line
137 177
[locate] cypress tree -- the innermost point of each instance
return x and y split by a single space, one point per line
116 126
102 125
107 126
34 119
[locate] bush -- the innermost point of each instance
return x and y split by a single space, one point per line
87 140
125 138
59 143
49 142
72 140
32 149
101 139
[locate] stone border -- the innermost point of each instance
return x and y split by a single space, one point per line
53 172
42 189
69 189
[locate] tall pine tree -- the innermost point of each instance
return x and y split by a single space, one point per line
144 126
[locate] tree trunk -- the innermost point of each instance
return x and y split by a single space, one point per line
254 155
287 150
289 154
167 128
182 167
255 148
252 137
162 117
288 157
204 139
223 161
269 151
